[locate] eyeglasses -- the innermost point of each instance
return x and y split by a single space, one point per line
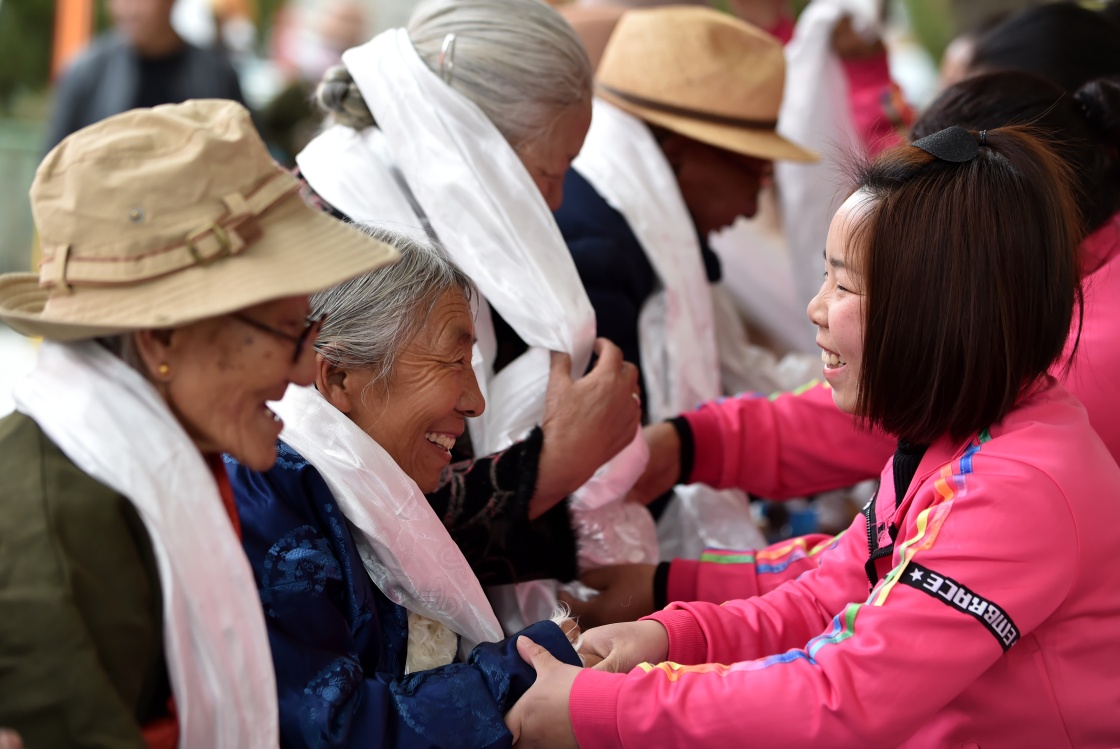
312 327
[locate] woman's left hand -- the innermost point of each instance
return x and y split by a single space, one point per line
540 717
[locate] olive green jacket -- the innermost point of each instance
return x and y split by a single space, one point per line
81 636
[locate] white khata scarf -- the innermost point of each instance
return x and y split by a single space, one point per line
405 548
117 429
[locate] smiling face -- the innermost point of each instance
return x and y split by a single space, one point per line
838 308
221 372
548 158
419 413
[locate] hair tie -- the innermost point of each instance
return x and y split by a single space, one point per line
954 144
447 59
1090 107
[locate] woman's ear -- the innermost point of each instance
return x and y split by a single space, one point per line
156 350
334 383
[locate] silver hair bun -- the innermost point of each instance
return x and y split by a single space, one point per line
338 96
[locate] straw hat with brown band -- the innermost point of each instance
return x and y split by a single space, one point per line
700 73
159 217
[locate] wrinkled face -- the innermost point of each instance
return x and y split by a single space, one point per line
139 20
222 371
548 158
837 309
717 186
422 410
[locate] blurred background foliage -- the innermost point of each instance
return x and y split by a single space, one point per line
26 31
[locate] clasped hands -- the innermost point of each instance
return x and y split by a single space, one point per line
540 718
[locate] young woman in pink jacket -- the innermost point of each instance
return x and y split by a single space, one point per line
799 443
977 603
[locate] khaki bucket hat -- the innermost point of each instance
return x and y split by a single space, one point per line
160 217
700 73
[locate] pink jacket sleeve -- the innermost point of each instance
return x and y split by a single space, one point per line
723 574
787 445
820 662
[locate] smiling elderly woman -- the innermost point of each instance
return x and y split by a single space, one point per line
173 295
461 127
363 588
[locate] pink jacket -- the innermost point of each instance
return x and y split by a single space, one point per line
994 622
752 443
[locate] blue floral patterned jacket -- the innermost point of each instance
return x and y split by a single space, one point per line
339 645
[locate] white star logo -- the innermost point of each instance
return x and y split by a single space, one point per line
916 575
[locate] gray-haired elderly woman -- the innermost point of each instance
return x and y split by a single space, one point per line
365 591
463 126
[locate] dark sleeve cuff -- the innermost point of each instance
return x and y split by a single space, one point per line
688 447
661 586
681 581
485 507
508 674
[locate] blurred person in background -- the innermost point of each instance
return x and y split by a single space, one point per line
1063 42
308 38
142 62
173 296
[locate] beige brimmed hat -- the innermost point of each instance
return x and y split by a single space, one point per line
160 217
700 73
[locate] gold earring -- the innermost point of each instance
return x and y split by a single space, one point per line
164 370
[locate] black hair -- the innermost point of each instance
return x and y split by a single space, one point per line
1063 42
1083 128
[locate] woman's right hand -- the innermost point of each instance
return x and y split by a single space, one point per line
586 422
618 648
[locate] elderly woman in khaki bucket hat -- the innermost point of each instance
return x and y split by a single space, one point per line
173 297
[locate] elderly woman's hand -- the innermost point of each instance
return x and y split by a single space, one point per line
586 422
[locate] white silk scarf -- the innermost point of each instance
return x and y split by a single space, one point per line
406 550
116 428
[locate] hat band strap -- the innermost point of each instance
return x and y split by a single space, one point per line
692 114
228 235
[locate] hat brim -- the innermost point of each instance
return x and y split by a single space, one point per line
300 251
763 144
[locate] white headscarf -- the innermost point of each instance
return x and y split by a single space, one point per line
483 206
116 428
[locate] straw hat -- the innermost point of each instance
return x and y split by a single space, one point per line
160 217
700 73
